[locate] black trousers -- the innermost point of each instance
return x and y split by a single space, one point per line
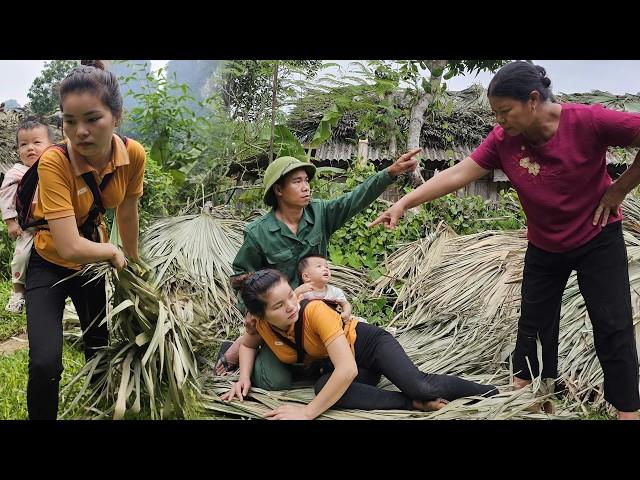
603 278
45 307
379 353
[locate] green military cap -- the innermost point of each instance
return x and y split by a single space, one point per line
278 169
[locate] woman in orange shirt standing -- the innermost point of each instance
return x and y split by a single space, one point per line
93 162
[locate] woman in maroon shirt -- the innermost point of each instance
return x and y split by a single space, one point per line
555 157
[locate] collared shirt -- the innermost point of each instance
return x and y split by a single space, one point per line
322 325
269 243
560 183
62 191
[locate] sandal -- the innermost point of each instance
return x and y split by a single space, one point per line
228 367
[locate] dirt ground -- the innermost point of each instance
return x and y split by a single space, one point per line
14 343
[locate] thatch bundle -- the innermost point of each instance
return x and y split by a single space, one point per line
150 357
9 121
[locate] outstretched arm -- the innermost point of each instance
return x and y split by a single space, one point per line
445 182
342 209
248 353
341 377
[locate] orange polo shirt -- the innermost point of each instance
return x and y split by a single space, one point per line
322 325
62 191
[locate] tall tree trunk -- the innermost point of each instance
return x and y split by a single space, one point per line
393 146
363 152
393 141
417 111
273 109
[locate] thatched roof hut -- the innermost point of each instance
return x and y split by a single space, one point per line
447 135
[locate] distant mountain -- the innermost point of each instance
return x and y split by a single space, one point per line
11 104
139 69
195 73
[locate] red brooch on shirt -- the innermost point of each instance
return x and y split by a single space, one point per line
532 166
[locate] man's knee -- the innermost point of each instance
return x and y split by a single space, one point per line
271 381
270 374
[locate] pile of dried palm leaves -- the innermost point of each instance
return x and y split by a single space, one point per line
506 405
457 304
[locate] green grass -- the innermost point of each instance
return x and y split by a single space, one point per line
14 374
11 324
598 414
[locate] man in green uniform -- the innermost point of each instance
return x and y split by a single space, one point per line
295 227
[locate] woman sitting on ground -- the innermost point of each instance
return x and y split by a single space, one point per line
359 353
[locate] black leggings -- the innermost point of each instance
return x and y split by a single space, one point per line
379 353
45 306
603 278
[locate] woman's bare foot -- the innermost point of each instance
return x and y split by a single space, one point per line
519 383
430 405
628 415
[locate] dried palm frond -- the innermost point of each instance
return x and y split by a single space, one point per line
627 102
191 259
353 282
458 275
413 260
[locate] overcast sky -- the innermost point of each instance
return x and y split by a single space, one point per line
16 76
567 76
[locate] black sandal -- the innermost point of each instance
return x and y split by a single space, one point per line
228 367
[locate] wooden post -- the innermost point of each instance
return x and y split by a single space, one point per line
363 152
273 108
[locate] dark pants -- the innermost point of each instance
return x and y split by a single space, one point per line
45 306
379 353
603 277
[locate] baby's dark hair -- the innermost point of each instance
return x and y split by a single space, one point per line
31 123
304 262
253 286
91 76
